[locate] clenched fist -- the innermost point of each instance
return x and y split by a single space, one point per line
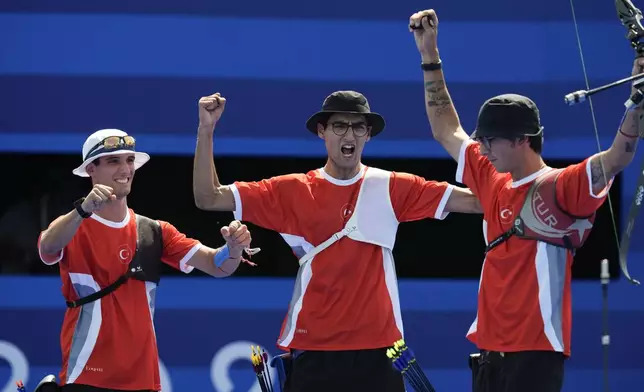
98 197
238 239
424 24
210 110
638 68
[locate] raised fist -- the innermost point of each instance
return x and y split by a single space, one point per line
98 197
210 110
424 25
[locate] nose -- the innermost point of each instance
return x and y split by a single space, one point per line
125 168
349 136
484 150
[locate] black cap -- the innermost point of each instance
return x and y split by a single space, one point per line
509 116
347 102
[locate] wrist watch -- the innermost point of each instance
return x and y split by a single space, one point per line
78 206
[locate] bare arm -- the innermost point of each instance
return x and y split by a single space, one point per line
208 192
238 239
463 200
609 163
62 230
443 119
59 233
203 260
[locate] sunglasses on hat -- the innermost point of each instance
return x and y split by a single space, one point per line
112 143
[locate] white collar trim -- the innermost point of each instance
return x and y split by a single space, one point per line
350 181
530 178
115 225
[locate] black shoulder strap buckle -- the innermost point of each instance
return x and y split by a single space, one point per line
517 228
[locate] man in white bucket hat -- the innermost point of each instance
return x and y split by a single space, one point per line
103 142
109 260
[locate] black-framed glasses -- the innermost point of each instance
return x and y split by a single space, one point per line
111 143
340 128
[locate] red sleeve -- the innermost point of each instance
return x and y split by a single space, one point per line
177 248
267 203
476 172
415 198
575 191
50 259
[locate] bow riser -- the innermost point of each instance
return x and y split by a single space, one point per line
631 18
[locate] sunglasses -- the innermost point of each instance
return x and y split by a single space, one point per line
112 143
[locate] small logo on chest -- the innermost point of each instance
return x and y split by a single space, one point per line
125 254
346 211
506 213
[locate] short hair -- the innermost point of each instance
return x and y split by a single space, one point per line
536 143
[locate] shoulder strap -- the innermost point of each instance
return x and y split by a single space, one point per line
149 249
148 236
105 291
149 244
502 238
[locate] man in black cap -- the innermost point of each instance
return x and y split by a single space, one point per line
341 222
535 217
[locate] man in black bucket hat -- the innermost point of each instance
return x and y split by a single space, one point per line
535 218
346 102
341 222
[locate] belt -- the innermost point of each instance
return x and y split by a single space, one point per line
488 356
296 353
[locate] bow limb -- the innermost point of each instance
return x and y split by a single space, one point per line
630 18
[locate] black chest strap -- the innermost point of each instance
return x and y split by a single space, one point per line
517 229
144 265
500 239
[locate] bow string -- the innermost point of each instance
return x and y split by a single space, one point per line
631 18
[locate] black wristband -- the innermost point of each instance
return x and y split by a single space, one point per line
78 206
432 66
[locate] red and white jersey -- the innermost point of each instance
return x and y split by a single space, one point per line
524 300
347 298
111 343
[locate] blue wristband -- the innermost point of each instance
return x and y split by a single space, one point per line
221 256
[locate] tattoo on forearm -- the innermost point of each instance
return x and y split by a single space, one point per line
629 147
437 97
596 172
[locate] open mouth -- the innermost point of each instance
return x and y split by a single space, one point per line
122 180
347 150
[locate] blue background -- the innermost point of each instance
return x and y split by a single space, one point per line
67 69
198 319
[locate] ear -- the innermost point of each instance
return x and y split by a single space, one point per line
90 168
320 131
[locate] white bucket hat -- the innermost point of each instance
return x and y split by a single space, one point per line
92 149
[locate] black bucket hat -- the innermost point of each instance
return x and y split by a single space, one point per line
508 116
347 102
